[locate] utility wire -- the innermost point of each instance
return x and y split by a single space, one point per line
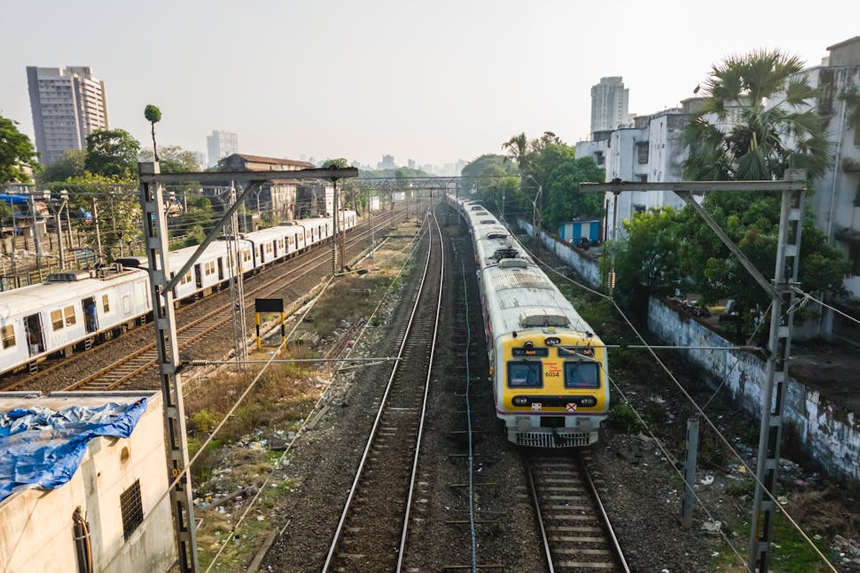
701 412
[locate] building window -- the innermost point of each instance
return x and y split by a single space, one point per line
8 335
599 158
642 149
56 319
854 258
131 505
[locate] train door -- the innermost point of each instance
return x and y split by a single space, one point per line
198 278
220 269
91 318
35 334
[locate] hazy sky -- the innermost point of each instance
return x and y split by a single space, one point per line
432 81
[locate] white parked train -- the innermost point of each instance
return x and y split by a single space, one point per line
78 308
550 383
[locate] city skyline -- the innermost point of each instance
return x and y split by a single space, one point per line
434 101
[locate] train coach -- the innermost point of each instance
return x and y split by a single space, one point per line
549 368
78 308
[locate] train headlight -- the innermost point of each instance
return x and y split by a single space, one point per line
528 344
520 401
588 401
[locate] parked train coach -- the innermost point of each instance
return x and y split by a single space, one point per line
70 308
81 307
549 369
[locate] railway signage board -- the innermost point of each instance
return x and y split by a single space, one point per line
268 305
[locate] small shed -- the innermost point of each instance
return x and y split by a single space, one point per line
575 231
82 478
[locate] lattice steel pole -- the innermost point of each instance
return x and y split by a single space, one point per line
157 253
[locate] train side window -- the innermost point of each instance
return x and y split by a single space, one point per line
70 315
8 335
525 374
583 374
57 319
105 303
126 305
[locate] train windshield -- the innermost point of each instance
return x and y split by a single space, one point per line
585 374
524 374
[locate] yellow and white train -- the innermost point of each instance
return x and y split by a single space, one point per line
549 368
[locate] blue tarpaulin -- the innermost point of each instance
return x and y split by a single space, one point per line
43 448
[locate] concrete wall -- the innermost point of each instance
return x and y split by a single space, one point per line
830 433
36 528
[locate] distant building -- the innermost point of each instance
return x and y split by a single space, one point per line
67 105
386 163
200 158
287 199
609 101
115 488
221 144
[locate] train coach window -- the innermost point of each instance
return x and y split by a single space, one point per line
581 375
525 374
56 319
70 315
8 334
105 303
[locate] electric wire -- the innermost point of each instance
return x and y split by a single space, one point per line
181 475
701 412
474 539
808 296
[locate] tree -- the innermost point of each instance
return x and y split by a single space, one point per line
647 261
173 159
112 153
564 202
773 126
339 163
517 151
71 164
773 123
16 153
153 116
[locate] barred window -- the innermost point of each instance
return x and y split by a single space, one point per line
70 315
105 303
131 505
8 333
57 319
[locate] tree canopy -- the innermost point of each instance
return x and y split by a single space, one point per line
71 164
173 159
16 153
112 153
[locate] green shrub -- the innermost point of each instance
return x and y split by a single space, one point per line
622 417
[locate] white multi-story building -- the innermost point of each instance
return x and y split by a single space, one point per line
67 104
609 101
221 144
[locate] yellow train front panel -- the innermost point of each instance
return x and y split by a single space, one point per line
551 387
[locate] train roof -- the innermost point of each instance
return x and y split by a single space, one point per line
72 285
521 297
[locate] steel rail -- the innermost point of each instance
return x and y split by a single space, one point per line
401 551
210 321
338 534
607 524
544 539
59 363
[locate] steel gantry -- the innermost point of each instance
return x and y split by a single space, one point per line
161 290
782 292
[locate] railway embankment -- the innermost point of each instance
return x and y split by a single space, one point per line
826 425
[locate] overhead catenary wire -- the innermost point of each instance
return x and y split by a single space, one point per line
245 393
701 412
809 297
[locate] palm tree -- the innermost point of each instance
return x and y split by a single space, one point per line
765 121
517 150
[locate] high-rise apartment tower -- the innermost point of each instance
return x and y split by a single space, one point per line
609 105
68 104
221 144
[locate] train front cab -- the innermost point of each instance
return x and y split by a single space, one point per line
550 388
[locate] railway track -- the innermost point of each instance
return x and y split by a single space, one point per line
141 360
372 531
575 530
